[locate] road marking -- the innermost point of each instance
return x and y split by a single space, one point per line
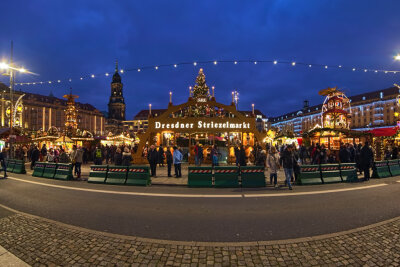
315 192
200 195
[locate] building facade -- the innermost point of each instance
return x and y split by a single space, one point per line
369 110
38 112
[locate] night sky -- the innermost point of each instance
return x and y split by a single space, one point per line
69 39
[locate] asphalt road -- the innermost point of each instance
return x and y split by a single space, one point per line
205 219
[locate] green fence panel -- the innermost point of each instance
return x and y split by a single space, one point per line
98 174
348 172
310 174
138 175
49 170
252 176
200 177
10 165
394 167
38 169
226 176
380 169
116 174
330 173
19 167
64 171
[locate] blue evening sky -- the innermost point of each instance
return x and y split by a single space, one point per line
68 39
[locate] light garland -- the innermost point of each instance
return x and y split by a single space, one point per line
215 63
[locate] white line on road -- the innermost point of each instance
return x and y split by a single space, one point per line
199 195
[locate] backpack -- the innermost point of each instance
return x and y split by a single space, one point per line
98 153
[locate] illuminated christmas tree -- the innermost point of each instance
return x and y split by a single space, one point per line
71 120
201 89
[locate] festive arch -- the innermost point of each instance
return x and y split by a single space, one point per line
201 113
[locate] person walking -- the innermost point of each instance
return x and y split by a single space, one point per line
200 154
214 156
152 157
287 161
261 158
237 155
170 160
273 165
367 157
3 155
177 159
126 157
196 154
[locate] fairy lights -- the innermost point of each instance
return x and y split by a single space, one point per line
215 63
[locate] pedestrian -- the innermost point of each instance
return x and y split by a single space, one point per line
161 156
3 155
50 155
287 161
98 156
177 160
196 154
63 158
242 156
395 152
118 157
367 157
43 153
126 157
78 159
170 160
152 157
35 156
200 155
273 165
214 156
237 155
261 158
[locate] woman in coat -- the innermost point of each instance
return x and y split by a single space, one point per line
126 157
273 165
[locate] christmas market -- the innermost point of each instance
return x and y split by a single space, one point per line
201 120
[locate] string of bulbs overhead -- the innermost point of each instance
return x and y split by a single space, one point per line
213 62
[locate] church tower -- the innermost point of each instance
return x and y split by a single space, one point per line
116 105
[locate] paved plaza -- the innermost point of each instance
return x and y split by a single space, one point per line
41 242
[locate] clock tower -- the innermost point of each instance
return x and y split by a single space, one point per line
116 105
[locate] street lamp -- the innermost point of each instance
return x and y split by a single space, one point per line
397 57
11 69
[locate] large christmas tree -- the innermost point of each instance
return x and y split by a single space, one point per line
201 89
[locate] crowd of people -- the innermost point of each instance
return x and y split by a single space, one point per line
288 157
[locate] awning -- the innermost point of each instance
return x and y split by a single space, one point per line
390 131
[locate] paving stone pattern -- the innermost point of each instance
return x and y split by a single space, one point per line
43 243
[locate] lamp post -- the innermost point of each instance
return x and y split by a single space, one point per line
11 68
397 57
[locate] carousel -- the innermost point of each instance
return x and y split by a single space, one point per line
200 120
335 121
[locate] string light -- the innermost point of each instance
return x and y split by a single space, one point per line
214 62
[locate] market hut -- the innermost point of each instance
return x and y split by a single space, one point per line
200 120
335 121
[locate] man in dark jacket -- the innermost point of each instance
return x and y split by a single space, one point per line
152 157
344 154
169 161
367 156
287 161
34 157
